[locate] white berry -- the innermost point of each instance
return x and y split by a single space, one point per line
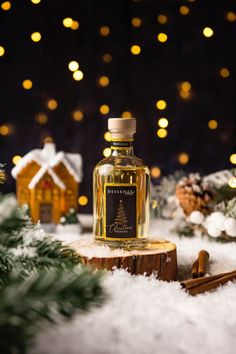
230 227
196 217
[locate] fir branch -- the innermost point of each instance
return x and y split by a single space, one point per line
42 297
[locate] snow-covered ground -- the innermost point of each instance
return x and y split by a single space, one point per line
143 315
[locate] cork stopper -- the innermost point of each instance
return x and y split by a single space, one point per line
122 127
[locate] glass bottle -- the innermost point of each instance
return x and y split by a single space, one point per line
121 191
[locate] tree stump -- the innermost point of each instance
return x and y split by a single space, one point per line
158 258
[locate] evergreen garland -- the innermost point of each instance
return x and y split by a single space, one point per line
41 280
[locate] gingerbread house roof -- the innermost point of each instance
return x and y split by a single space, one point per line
47 158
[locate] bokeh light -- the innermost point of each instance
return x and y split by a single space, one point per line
136 22
162 133
104 109
78 115
83 200
163 122
104 31
78 75
6 5
126 114
107 136
232 159
208 32
231 16
27 84
35 1
52 104
155 172
2 51
212 124
104 81
36 36
135 49
183 158
184 10
106 152
16 159
162 37
41 118
161 104
4 130
232 182
224 72
107 58
75 25
67 22
73 65
162 19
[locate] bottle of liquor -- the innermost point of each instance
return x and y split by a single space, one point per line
121 187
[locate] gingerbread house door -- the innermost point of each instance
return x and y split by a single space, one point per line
45 213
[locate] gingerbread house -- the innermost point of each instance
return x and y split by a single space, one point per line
48 181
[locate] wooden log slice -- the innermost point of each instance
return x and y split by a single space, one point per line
158 257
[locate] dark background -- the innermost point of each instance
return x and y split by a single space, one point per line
136 81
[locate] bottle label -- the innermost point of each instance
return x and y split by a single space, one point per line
120 211
121 144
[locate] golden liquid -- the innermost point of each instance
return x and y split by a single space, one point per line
120 168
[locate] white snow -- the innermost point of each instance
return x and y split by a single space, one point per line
143 315
47 158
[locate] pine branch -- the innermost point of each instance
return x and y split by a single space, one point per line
42 297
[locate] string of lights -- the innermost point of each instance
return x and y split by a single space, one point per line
67 66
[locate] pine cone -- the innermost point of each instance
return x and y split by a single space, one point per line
193 194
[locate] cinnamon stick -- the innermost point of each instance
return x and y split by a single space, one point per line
200 264
200 285
203 257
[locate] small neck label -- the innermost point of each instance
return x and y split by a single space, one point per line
121 144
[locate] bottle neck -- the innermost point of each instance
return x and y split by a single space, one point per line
121 146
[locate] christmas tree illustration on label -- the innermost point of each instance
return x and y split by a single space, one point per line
120 225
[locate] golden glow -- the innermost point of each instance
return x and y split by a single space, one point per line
73 65
155 172
75 25
135 49
107 152
104 109
6 5
52 104
107 58
27 84
162 133
232 159
107 136
224 72
41 118
186 86
104 81
183 158
162 19
184 10
2 51
232 182
161 104
83 200
78 75
126 114
67 22
185 94
162 37
36 37
163 122
231 16
78 115
104 31
212 124
136 22
16 159
35 1
4 130
208 32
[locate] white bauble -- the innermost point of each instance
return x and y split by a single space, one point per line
218 220
213 230
230 227
196 217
